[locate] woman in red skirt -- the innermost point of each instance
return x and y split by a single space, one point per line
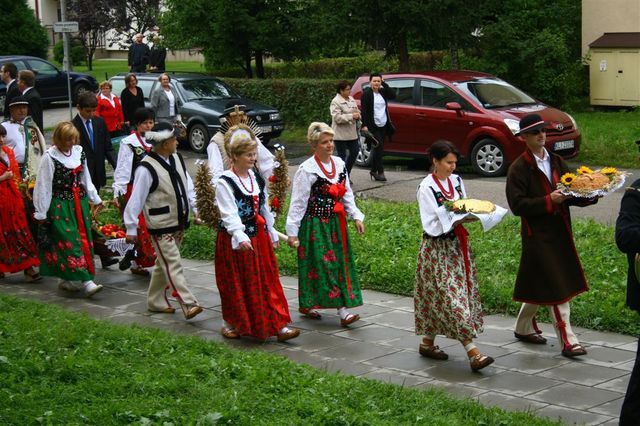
18 251
253 302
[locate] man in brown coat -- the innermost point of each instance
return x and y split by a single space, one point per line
550 272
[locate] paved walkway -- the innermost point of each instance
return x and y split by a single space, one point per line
382 346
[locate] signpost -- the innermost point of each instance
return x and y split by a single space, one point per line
66 27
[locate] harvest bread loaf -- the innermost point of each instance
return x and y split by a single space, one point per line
472 205
590 181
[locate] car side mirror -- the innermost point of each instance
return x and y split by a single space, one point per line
454 106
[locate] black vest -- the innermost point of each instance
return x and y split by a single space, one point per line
245 205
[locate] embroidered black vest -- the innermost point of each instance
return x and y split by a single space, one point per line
440 199
320 203
63 180
245 205
138 154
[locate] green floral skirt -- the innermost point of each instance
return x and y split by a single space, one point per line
326 270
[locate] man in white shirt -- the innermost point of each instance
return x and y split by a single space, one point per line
24 138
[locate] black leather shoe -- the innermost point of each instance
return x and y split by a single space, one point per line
107 261
125 262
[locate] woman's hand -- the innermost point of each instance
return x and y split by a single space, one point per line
132 239
293 242
276 244
359 227
245 246
356 115
364 128
6 175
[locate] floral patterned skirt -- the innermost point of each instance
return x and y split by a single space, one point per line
17 248
446 297
253 301
326 271
65 254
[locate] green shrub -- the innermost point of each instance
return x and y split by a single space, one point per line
22 32
78 54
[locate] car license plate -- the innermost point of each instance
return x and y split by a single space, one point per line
266 129
563 145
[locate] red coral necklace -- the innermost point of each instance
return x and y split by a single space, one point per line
448 194
250 191
332 173
144 145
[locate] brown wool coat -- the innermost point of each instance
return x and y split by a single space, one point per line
550 272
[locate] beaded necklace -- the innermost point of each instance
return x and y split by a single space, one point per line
447 194
250 191
332 173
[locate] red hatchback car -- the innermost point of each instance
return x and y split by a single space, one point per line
478 112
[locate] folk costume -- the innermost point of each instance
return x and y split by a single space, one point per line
628 241
61 197
446 296
321 202
18 250
253 302
133 149
28 144
163 191
550 272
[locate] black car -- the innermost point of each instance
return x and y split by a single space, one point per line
203 101
51 82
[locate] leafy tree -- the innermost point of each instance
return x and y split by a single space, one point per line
94 19
138 16
23 34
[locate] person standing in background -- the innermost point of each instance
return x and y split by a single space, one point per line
26 83
110 110
157 56
131 99
165 101
138 54
344 119
9 74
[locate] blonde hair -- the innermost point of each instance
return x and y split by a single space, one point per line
238 140
105 83
65 131
316 129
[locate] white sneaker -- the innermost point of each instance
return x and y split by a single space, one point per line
67 286
91 288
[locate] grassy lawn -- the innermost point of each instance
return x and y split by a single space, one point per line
104 69
58 367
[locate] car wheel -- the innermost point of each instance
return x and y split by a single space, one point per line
488 158
78 90
364 157
198 138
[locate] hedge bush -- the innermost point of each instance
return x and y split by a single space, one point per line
78 55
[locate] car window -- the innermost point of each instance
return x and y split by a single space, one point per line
403 88
496 93
437 95
42 68
146 86
206 88
118 85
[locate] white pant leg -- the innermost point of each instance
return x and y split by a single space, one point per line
562 324
168 259
526 319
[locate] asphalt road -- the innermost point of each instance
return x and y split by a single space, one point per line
403 176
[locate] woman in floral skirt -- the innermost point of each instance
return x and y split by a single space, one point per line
321 201
18 251
61 200
446 297
253 302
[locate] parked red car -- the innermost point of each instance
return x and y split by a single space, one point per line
478 112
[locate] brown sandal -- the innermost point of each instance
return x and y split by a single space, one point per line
480 361
433 352
289 334
32 276
575 350
229 333
310 313
534 338
349 319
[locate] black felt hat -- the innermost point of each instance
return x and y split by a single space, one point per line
531 123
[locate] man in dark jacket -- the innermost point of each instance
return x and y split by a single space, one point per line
157 56
9 75
26 83
628 241
138 54
376 119
550 272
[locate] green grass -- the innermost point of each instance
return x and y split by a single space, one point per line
386 260
104 69
608 138
58 367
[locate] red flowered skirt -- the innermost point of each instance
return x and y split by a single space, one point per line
249 284
146 254
17 248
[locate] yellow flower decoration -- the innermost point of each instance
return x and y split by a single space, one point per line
609 171
567 179
584 170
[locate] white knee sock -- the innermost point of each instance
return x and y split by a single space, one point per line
343 312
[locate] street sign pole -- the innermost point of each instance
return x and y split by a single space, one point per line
65 61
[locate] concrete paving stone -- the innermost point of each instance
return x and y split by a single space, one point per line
193 263
457 351
206 299
454 389
456 371
357 351
516 384
312 341
390 376
613 422
129 318
603 338
633 346
569 416
499 322
197 279
396 318
616 385
401 303
611 408
115 298
204 268
289 282
497 337
290 293
412 341
302 357
346 367
530 363
329 324
373 333
408 361
379 298
95 311
578 373
575 396
208 320
627 366
368 310
551 349
608 356
509 402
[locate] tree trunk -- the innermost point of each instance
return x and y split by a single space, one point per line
259 64
403 52
247 64
455 58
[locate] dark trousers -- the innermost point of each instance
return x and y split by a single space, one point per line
138 68
348 151
630 414
380 133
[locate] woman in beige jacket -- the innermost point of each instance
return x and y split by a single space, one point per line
344 118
